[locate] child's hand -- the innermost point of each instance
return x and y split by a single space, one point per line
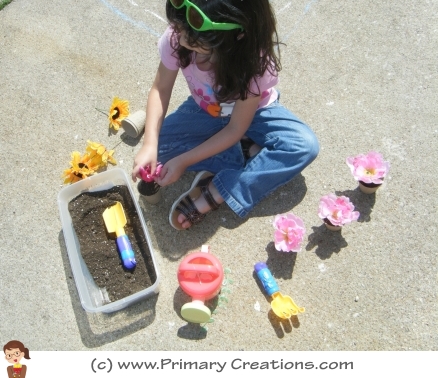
143 159
171 172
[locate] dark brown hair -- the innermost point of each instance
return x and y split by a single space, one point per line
241 55
17 344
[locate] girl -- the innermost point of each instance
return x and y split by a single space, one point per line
226 50
14 351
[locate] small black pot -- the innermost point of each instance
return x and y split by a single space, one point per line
150 191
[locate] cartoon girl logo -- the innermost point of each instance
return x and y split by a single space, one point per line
14 352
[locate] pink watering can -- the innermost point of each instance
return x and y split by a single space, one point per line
200 275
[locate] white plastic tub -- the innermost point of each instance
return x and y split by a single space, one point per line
94 298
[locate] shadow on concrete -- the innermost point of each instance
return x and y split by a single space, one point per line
99 329
180 298
362 202
280 264
130 141
192 331
277 271
174 244
283 326
326 241
283 199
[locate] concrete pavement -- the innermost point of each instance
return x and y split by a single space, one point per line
362 74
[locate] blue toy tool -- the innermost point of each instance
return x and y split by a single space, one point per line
282 305
115 220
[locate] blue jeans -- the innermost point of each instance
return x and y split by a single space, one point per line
288 146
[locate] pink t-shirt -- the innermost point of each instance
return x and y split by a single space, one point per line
201 84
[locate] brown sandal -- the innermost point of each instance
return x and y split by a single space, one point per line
185 203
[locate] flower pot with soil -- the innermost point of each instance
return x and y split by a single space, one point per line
147 186
369 188
330 225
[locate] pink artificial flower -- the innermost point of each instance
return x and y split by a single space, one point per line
369 168
338 210
146 175
289 232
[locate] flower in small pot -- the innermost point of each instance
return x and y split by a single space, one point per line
369 170
147 186
289 232
336 211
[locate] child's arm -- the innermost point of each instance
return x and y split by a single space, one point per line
157 104
241 118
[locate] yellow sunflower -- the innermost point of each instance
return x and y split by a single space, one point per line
119 110
100 154
107 157
80 168
95 148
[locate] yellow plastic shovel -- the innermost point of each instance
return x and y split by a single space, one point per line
115 221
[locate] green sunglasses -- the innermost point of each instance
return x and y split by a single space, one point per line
198 20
